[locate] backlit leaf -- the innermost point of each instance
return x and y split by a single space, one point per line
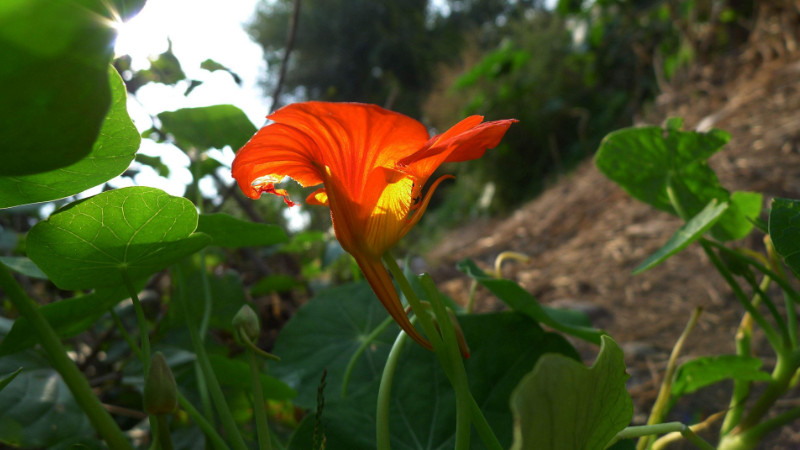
207 127
701 372
110 155
140 230
50 121
564 405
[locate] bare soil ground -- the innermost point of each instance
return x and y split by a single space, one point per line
585 235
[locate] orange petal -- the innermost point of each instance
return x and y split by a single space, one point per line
460 143
381 283
351 139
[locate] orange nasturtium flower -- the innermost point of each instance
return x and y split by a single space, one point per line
372 163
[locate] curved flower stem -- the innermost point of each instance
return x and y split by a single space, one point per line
262 427
357 354
458 374
385 391
100 418
445 350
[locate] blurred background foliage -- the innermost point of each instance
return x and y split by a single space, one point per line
570 70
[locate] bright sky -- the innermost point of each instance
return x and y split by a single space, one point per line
199 30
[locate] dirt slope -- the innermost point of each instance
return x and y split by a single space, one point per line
585 235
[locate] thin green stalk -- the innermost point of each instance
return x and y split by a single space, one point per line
485 431
741 389
142 321
361 348
782 374
473 291
665 392
205 366
439 346
759 431
259 408
385 391
769 331
424 319
100 418
164 438
125 335
209 430
661 428
760 294
777 278
456 363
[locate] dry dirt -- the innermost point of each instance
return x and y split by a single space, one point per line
585 235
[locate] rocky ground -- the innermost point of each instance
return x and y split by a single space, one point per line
585 235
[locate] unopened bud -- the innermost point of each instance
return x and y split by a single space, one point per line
160 389
245 322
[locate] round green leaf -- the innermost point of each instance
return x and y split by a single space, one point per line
208 127
110 155
667 169
54 90
562 404
90 243
39 411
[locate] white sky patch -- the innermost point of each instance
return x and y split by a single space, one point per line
198 30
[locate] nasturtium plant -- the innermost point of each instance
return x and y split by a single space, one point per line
207 127
563 405
667 169
110 155
131 232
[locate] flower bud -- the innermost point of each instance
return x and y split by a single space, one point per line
160 389
245 322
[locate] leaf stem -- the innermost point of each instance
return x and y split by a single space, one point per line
203 423
259 409
772 335
141 320
361 348
164 438
100 418
456 363
214 388
385 391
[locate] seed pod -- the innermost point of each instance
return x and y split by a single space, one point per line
160 389
245 322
